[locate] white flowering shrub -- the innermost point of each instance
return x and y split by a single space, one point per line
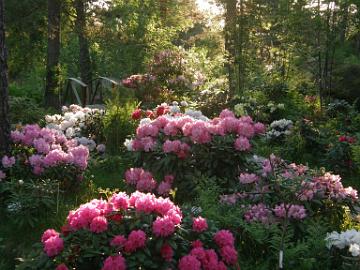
279 129
81 124
349 239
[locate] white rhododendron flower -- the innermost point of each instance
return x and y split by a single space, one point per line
349 238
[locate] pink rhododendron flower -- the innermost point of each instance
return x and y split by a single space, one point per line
169 178
199 224
245 129
41 146
8 162
53 245
118 240
136 240
145 203
229 254
248 178
163 226
120 200
293 211
114 263
189 262
98 224
62 267
226 113
2 175
199 253
259 128
196 244
49 233
258 213
242 144
164 188
146 184
167 252
224 238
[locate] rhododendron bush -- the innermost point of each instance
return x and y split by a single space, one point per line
169 76
182 143
83 124
44 153
139 231
279 205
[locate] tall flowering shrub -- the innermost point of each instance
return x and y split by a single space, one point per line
139 231
169 77
171 142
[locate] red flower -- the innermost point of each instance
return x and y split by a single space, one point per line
136 115
65 230
342 139
160 110
167 252
115 217
149 114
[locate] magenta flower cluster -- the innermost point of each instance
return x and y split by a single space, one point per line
201 258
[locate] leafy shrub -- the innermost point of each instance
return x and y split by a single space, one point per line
41 152
117 124
140 231
25 110
190 142
30 200
279 207
169 78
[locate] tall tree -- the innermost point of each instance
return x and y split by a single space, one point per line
231 36
4 94
84 49
53 54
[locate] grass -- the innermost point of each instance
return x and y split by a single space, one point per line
17 242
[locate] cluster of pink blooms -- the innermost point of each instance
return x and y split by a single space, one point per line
248 178
114 263
258 213
199 224
292 211
52 149
197 131
327 186
201 258
145 182
7 163
137 79
261 213
308 185
53 243
101 216
179 148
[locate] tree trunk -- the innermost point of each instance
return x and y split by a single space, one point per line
84 53
53 53
4 92
230 43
